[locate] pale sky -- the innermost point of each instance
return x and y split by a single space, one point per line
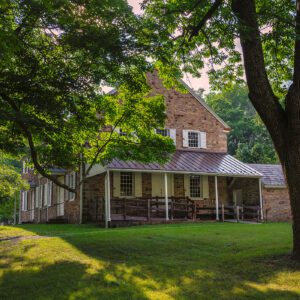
194 83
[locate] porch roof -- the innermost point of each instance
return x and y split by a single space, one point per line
193 162
272 174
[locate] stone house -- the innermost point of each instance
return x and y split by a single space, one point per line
200 182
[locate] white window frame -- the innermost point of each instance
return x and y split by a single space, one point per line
200 187
132 185
201 139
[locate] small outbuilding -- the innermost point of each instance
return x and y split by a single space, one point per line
275 193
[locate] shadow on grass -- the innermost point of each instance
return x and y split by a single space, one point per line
155 265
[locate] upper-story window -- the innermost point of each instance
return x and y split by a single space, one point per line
126 184
194 139
167 132
122 133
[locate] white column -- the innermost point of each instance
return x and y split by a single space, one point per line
217 198
260 200
166 197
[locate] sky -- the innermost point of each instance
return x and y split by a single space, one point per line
194 83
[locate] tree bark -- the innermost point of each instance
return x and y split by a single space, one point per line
283 124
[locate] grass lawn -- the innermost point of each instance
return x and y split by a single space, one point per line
186 261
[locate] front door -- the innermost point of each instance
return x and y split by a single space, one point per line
60 199
238 197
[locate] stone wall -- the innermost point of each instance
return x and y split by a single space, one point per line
276 204
185 112
93 198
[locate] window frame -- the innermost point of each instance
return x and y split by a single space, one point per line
198 135
126 195
199 178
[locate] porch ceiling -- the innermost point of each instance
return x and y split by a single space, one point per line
193 162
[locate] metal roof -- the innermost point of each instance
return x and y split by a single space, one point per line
193 162
272 174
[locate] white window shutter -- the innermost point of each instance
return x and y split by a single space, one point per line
185 138
154 131
203 140
50 193
117 129
138 184
116 182
23 201
173 135
205 187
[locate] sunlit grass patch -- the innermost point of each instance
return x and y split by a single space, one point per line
183 261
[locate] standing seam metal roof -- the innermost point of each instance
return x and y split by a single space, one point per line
193 162
272 174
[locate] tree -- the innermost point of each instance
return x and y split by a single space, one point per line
249 139
10 184
187 33
55 58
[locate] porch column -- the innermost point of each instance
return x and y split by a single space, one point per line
107 200
166 197
217 198
260 200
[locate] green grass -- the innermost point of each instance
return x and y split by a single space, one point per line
186 261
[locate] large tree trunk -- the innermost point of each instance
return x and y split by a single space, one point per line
282 123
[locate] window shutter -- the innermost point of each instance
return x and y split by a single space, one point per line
116 182
186 185
157 183
45 194
203 140
205 187
117 129
37 198
23 201
173 135
185 138
41 196
50 194
138 184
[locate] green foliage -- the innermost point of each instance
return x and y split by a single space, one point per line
248 140
172 32
10 185
55 58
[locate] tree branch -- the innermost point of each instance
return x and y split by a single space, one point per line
195 29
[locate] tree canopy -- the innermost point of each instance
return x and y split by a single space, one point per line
55 59
248 140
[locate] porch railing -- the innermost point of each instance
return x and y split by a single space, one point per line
241 212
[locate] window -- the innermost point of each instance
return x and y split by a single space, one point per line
70 181
126 184
193 138
122 133
163 132
167 132
24 200
195 186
